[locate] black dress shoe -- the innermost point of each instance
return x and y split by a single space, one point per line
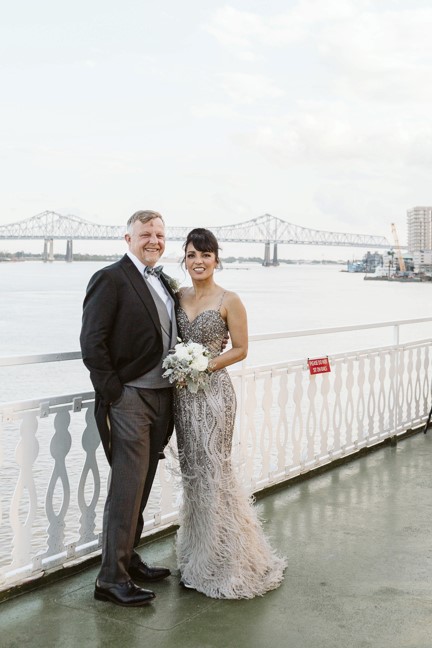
127 594
142 572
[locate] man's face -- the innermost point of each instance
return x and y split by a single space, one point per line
147 241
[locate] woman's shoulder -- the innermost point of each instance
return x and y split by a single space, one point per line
230 300
230 297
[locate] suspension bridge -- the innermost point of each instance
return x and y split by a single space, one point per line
49 226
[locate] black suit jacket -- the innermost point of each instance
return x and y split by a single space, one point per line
121 335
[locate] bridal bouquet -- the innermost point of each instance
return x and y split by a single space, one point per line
187 366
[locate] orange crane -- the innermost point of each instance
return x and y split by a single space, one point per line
402 267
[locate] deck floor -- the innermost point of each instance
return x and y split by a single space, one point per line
359 543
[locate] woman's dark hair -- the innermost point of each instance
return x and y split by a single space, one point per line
203 240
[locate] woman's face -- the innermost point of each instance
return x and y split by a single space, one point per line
200 265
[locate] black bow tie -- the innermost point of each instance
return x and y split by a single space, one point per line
154 272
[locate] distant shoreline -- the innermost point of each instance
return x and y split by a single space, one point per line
21 258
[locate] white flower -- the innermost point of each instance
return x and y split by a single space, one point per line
199 363
181 352
195 349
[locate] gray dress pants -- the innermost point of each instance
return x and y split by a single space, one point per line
139 423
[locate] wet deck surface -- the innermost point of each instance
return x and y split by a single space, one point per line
359 543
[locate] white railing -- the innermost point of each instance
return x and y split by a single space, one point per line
52 467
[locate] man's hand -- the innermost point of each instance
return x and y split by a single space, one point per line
225 341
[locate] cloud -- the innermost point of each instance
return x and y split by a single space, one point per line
381 52
328 133
216 110
248 88
242 30
384 56
349 80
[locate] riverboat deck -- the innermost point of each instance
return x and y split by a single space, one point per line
359 544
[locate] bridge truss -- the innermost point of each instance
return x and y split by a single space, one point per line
265 229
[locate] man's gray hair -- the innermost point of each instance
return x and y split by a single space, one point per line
144 216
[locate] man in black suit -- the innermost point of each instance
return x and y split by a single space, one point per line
128 328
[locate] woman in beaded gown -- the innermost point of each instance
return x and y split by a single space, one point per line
221 548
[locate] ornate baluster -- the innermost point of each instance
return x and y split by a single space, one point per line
20 518
371 399
337 409
400 396
60 446
250 406
325 415
391 399
90 442
409 388
297 427
266 440
361 407
417 388
349 407
311 419
282 426
382 391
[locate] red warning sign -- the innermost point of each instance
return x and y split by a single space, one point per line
318 365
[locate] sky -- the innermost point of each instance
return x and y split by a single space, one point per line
317 112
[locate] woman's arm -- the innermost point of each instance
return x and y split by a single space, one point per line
236 319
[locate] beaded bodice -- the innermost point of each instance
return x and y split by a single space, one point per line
207 328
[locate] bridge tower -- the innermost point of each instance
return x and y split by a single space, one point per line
267 261
69 251
48 253
266 254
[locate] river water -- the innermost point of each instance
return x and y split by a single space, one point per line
41 313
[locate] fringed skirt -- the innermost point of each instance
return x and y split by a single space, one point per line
222 550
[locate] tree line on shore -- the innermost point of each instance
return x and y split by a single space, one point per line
28 256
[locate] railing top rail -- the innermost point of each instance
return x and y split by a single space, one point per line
35 359
40 357
343 355
54 401
278 335
335 329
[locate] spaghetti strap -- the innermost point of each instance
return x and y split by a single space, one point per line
221 300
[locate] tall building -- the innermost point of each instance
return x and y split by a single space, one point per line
423 262
419 229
